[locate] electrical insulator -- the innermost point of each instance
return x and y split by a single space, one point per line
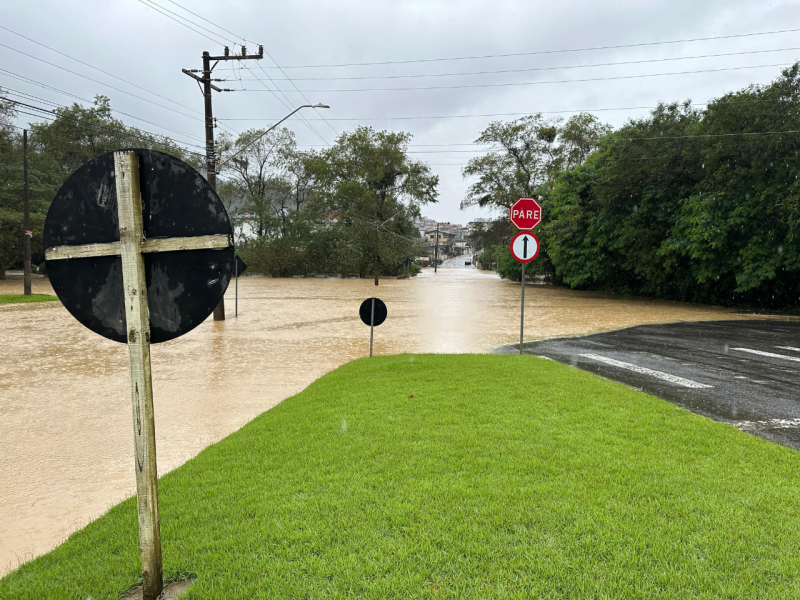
244 50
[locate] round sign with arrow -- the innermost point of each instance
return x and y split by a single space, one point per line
524 247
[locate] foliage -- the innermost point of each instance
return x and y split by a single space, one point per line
523 157
324 213
11 239
689 205
399 476
683 204
16 298
488 238
56 148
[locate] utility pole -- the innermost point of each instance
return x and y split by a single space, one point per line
26 223
436 252
207 86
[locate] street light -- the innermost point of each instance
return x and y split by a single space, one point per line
270 129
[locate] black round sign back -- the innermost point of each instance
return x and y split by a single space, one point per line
365 311
183 287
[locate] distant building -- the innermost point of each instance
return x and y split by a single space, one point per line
453 239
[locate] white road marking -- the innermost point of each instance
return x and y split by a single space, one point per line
645 371
793 349
769 424
770 354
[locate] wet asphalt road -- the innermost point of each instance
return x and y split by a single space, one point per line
746 373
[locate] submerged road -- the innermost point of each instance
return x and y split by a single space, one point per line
746 373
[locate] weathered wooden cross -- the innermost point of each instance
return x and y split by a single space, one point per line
131 247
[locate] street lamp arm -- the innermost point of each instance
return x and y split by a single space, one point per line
232 156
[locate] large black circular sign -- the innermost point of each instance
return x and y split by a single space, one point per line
183 287
365 311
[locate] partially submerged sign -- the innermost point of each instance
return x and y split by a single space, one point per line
365 311
372 312
186 244
139 249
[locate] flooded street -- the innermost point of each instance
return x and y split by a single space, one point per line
66 447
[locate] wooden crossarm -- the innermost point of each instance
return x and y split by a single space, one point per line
200 242
84 251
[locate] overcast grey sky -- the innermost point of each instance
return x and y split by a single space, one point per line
146 48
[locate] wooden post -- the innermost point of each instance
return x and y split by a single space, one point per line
137 316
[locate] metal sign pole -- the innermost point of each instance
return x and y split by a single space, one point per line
371 326
522 310
137 317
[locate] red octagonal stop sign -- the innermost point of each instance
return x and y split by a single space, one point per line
526 213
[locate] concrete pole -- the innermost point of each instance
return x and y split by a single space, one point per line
436 252
211 158
376 253
26 221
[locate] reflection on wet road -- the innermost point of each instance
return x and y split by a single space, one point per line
65 423
741 372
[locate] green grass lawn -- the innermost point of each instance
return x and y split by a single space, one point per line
12 298
502 477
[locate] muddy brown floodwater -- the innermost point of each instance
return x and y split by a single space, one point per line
66 447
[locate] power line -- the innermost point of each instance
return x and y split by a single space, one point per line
156 7
712 135
47 114
527 70
207 21
51 114
288 106
161 10
97 81
302 118
540 52
524 83
510 114
100 70
301 93
45 86
26 96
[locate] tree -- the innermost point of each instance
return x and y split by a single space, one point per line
260 171
76 135
523 158
371 189
690 205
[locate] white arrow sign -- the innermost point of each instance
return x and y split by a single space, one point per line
524 247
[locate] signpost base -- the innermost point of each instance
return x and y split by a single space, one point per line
219 311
